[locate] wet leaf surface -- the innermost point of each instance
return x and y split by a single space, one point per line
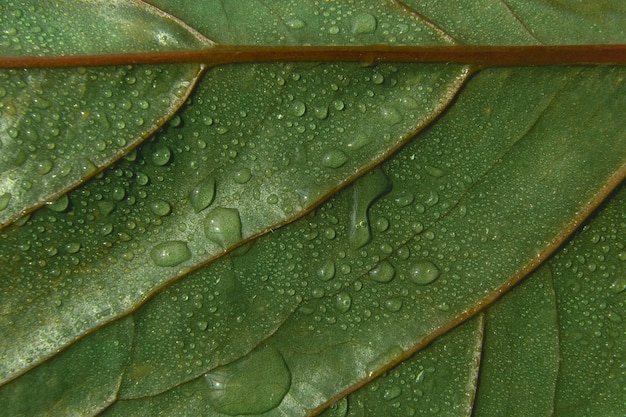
224 317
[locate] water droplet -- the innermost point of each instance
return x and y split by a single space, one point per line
161 207
298 108
393 304
365 192
170 253
44 167
326 272
202 195
223 226
321 112
4 200
334 158
161 155
383 272
106 207
254 384
295 24
424 272
343 302
72 247
242 176
60 204
391 115
434 171
363 23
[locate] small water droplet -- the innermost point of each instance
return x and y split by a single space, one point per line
4 200
60 204
383 272
393 304
203 194
161 155
160 207
334 158
391 115
343 302
170 253
298 108
424 272
242 176
295 24
321 112
255 384
223 226
363 23
326 271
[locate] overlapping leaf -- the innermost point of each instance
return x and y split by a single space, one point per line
255 146
58 127
285 324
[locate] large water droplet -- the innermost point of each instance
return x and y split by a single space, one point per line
161 155
365 192
60 204
254 384
203 194
343 302
160 207
334 158
424 272
223 226
4 200
326 271
383 272
170 253
363 23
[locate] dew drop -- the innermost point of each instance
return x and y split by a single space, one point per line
106 207
298 108
363 23
326 271
321 112
4 200
161 155
383 272
242 176
343 302
44 167
295 24
170 253
60 204
334 158
365 192
223 226
254 384
424 272
390 115
202 195
161 207
393 304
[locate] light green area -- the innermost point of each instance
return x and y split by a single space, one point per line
289 320
81 380
58 127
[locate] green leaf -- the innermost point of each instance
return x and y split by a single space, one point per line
60 126
163 263
255 147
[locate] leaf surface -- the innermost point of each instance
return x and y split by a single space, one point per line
296 319
60 126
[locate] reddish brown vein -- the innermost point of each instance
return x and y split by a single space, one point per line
482 56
